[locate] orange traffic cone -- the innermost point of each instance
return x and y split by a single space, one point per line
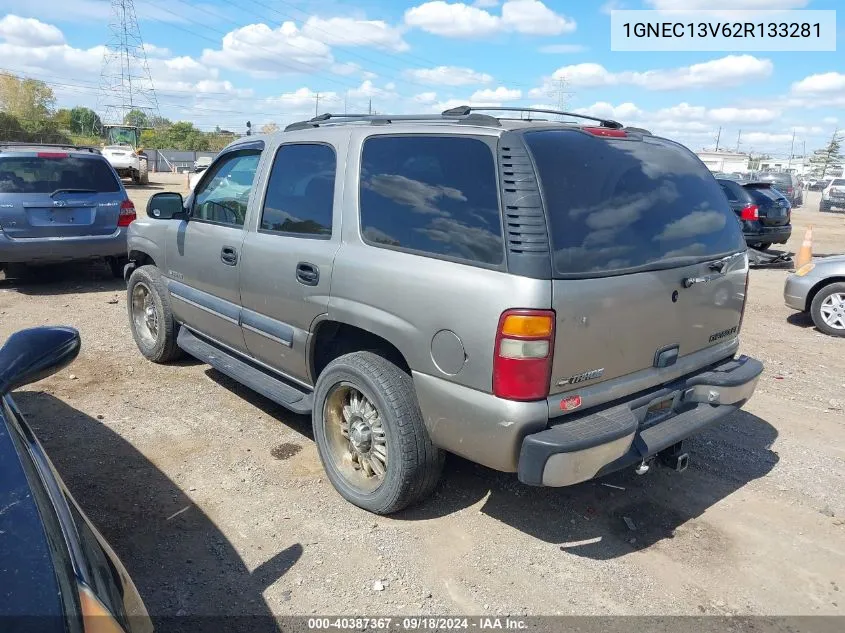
805 253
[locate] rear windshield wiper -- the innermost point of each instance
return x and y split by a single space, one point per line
72 191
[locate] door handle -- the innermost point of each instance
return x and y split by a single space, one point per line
229 256
307 274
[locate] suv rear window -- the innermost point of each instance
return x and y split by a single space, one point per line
617 206
434 195
763 194
33 174
838 182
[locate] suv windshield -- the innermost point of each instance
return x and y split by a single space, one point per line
838 182
36 174
781 179
620 206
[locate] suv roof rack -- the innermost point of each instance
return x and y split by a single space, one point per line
65 146
460 114
467 110
468 118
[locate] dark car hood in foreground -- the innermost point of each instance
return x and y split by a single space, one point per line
28 584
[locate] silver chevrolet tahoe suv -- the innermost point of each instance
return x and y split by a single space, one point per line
555 299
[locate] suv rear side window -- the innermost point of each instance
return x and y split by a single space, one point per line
300 194
33 174
433 195
620 206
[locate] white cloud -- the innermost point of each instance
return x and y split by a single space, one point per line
727 71
452 20
368 90
29 32
824 83
765 138
532 17
301 100
426 97
830 120
456 19
151 50
264 52
448 76
611 5
552 49
499 94
454 103
485 4
743 115
622 112
351 68
352 32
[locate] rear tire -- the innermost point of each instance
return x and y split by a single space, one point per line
370 434
764 246
828 309
150 318
823 208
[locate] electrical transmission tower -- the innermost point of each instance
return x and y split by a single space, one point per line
125 80
558 90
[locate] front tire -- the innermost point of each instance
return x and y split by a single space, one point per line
150 318
370 434
828 309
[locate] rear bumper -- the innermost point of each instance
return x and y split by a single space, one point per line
56 249
830 203
773 234
616 437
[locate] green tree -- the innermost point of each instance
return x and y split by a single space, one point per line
10 128
136 117
85 121
30 101
62 119
829 156
181 135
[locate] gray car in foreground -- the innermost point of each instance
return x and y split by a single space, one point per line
60 204
818 288
553 299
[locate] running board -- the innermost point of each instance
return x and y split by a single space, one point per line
245 373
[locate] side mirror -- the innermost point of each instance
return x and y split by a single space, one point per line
166 206
33 354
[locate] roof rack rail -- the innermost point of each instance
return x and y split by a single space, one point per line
469 118
467 110
89 148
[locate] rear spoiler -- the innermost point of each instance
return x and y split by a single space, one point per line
757 183
41 146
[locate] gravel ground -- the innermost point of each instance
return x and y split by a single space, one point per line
215 499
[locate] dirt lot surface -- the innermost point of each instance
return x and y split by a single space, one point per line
215 499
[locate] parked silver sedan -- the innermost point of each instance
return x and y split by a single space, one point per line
819 288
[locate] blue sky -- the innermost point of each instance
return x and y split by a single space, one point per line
222 62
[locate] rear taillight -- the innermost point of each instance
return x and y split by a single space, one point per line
52 154
750 212
522 358
789 190
96 618
606 131
127 213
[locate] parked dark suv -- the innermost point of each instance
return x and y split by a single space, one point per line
555 299
787 184
764 212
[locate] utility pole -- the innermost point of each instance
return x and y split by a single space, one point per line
718 138
316 103
345 101
791 151
370 107
738 137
